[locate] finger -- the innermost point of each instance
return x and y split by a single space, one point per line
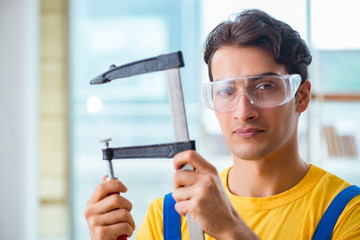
182 207
114 231
113 217
109 204
112 202
183 193
184 178
194 159
124 228
106 188
188 200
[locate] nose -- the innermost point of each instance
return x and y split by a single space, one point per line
245 109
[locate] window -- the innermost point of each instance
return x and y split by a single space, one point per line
132 111
333 129
135 111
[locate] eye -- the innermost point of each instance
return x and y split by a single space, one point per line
225 91
265 86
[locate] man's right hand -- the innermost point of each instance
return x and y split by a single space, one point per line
107 213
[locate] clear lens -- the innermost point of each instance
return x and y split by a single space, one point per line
262 91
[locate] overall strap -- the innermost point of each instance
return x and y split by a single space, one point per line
171 219
327 222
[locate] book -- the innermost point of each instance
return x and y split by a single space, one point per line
339 145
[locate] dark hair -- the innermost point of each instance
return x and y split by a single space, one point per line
256 28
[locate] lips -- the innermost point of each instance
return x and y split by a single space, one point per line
248 132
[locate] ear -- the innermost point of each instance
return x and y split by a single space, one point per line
303 97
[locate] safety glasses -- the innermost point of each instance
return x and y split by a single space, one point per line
263 91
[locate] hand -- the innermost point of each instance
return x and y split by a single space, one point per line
107 213
202 195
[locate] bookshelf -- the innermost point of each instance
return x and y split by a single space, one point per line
333 134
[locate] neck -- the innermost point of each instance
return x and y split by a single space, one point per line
266 177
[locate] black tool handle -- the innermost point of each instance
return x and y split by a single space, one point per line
167 150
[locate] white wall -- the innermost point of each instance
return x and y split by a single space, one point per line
18 118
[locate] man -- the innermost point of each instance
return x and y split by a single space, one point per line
258 88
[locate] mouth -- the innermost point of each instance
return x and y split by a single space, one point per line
248 132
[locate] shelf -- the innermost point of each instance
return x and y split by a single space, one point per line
332 133
337 97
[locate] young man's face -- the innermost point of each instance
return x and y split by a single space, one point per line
252 132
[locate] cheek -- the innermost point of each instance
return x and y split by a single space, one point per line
224 120
282 120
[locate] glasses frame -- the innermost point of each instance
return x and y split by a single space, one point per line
293 79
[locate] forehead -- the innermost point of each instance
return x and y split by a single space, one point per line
231 62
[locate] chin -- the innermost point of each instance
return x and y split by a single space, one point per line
248 155
254 150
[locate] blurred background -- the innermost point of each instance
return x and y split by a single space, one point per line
52 119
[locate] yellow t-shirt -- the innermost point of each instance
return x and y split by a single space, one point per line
293 214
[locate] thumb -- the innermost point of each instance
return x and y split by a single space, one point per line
104 178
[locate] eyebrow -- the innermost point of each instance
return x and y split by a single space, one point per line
256 75
267 73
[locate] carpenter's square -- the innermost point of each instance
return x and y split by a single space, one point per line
170 63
